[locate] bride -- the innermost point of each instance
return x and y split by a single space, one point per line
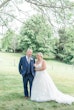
43 88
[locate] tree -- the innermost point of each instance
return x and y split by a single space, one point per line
36 34
61 11
64 46
9 41
58 13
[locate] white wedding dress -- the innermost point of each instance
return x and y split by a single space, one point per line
44 89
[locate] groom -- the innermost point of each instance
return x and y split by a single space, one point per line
26 69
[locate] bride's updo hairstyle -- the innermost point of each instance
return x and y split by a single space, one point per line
40 54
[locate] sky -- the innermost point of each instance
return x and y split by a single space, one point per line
27 11
71 0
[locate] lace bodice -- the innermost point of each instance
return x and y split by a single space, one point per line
39 65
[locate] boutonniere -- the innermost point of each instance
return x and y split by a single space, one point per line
31 58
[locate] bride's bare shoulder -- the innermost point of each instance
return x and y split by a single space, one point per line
44 61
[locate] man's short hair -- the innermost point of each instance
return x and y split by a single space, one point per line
29 50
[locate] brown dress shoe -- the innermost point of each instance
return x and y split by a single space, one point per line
27 97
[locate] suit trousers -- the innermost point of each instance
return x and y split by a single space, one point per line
27 79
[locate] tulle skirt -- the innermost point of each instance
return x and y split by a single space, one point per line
44 89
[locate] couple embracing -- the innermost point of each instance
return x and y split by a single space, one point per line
41 86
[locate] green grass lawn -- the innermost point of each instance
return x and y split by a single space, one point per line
11 86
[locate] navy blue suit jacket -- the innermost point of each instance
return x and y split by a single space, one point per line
23 66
